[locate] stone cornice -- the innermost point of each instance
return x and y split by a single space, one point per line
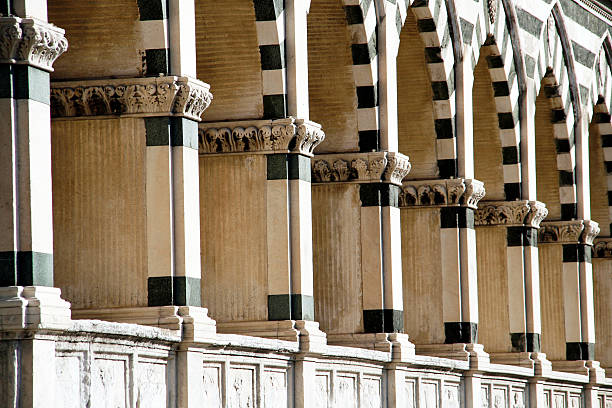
442 193
568 232
290 135
30 42
360 168
510 213
159 96
602 248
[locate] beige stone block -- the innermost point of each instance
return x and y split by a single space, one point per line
422 275
99 212
337 258
233 227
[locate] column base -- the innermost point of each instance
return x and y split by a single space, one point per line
396 343
306 332
472 352
193 321
590 368
33 307
521 359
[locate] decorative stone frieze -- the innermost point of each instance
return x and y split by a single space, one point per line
576 231
161 96
360 168
442 193
511 213
602 248
260 136
30 42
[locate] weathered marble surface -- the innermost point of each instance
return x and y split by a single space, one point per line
102 364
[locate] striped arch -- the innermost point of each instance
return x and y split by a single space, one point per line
362 23
554 68
436 32
154 28
600 91
270 23
498 50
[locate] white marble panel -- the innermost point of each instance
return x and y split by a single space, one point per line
109 384
241 387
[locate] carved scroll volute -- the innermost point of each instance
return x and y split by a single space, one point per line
31 42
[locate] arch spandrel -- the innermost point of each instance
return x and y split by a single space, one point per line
235 76
333 99
97 48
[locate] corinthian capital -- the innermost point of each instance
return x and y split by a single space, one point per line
442 193
360 167
602 248
167 96
30 42
511 213
260 136
575 231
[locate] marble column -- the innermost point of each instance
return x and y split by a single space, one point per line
519 221
453 202
574 240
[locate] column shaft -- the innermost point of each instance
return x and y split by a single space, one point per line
289 237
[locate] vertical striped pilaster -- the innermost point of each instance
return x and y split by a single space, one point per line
172 199
153 27
459 280
578 298
26 245
523 289
381 262
289 237
576 238
270 24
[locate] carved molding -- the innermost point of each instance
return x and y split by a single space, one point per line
602 248
30 42
162 96
441 193
260 136
492 11
511 213
360 168
576 231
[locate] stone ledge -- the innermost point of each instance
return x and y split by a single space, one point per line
374 167
510 213
33 308
289 135
26 41
441 193
193 322
568 232
396 343
307 333
139 97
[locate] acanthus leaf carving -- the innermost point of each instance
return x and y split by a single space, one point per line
172 96
289 135
452 192
517 213
360 167
576 231
31 42
603 248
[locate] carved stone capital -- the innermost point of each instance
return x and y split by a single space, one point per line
162 96
569 232
260 136
372 167
442 193
602 248
511 213
30 42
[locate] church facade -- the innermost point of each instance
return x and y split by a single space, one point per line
306 203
